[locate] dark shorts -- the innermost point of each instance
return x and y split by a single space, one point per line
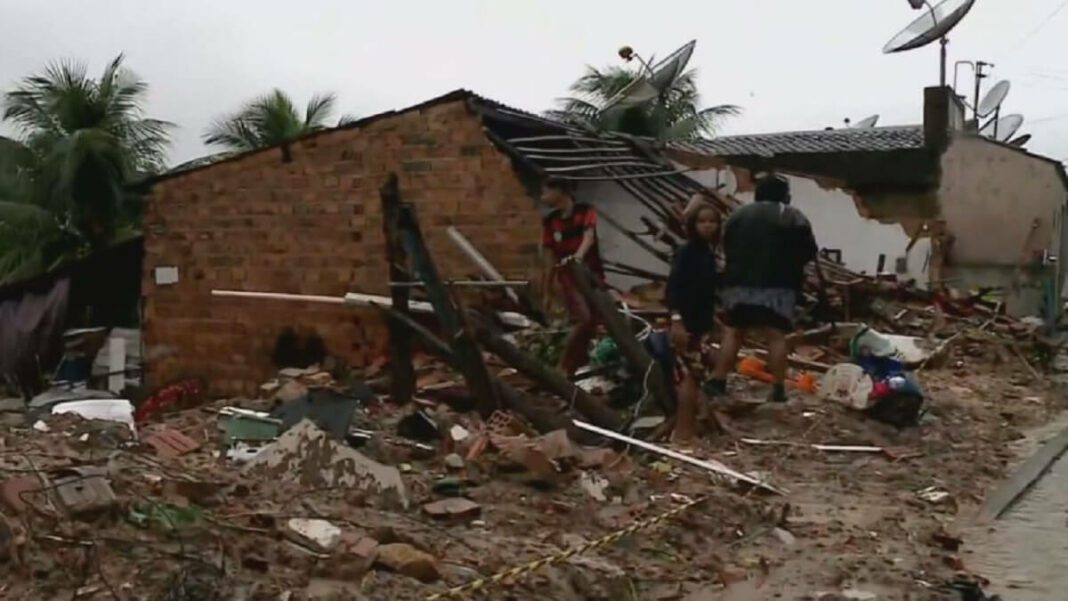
747 317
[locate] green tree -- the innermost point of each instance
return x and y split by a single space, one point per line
63 180
271 119
674 114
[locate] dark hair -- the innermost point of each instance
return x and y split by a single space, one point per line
772 188
691 223
560 185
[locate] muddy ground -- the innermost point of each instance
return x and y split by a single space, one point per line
851 526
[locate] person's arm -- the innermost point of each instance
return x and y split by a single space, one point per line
589 233
548 266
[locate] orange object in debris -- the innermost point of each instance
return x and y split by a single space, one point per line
757 369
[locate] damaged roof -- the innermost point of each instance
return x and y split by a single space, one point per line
873 139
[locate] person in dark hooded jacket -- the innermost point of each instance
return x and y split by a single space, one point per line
766 245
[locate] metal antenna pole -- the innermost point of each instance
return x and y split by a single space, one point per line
979 76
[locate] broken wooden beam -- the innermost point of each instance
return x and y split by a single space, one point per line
402 382
521 299
590 407
468 354
649 371
513 399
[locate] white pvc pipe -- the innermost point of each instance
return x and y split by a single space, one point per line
712 466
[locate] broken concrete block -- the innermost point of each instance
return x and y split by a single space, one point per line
307 455
319 380
291 373
594 485
291 391
785 537
456 508
318 535
17 494
171 443
409 561
454 461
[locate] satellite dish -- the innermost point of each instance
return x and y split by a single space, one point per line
935 24
726 182
1020 141
866 123
648 86
1002 129
993 98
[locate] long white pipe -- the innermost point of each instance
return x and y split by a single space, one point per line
357 299
712 466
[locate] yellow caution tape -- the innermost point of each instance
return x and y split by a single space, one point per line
525 569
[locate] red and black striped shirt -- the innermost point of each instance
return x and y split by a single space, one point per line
562 235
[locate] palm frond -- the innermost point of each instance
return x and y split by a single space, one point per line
318 111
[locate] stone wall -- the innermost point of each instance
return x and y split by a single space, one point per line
313 226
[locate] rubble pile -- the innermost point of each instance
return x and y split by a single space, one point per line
323 489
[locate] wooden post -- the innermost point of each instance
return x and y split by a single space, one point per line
640 361
591 407
515 400
402 372
468 354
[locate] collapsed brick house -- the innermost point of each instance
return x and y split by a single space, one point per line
305 218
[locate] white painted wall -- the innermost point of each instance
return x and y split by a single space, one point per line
837 225
614 202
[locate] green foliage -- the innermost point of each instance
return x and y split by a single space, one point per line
272 119
674 115
63 182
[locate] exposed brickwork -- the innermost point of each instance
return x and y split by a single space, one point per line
313 226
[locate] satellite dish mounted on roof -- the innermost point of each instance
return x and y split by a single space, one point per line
654 82
1021 140
1002 129
934 25
993 99
866 123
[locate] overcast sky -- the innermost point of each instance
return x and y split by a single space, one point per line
791 64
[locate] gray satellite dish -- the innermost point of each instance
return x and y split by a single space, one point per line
993 98
935 24
866 123
1020 141
1002 129
650 85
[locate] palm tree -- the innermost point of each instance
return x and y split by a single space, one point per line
673 115
63 182
270 120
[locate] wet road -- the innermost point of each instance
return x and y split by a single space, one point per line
1025 553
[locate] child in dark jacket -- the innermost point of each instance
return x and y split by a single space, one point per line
691 298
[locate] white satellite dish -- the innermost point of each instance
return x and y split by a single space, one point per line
935 24
648 86
993 99
1002 129
726 182
1021 140
866 123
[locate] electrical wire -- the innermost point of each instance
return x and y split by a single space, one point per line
1042 25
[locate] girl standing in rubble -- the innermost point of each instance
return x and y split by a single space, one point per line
691 298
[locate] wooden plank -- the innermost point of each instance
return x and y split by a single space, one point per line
592 408
513 399
468 354
522 300
1010 491
618 327
402 381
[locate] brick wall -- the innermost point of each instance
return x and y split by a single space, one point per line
313 226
